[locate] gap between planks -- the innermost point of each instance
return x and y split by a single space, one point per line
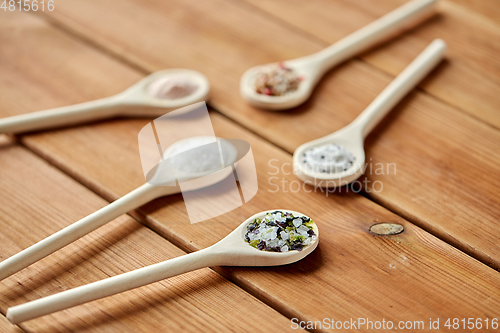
7 327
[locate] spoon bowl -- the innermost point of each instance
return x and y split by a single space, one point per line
193 151
143 104
232 250
303 69
242 254
351 138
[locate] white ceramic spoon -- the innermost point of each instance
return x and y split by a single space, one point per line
230 251
312 68
135 101
352 136
136 198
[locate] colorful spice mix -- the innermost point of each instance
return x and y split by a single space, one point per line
280 232
276 80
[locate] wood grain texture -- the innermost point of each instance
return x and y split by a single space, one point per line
358 274
489 9
429 188
38 200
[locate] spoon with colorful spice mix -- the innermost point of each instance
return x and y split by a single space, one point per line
269 238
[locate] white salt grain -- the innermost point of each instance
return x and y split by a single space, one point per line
270 233
297 222
302 230
273 243
279 218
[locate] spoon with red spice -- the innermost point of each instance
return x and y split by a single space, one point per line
155 95
285 85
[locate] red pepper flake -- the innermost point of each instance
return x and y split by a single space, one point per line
267 91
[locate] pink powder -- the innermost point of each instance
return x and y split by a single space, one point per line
172 87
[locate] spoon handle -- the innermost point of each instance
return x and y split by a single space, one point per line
380 30
62 116
113 285
76 230
407 80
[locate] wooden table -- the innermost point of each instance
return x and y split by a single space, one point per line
444 139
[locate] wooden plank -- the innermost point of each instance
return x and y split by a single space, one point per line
470 80
422 121
353 269
37 200
489 9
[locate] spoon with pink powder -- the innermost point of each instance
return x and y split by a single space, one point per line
156 94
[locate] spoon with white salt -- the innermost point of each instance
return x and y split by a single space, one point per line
233 250
338 159
285 85
153 96
165 181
